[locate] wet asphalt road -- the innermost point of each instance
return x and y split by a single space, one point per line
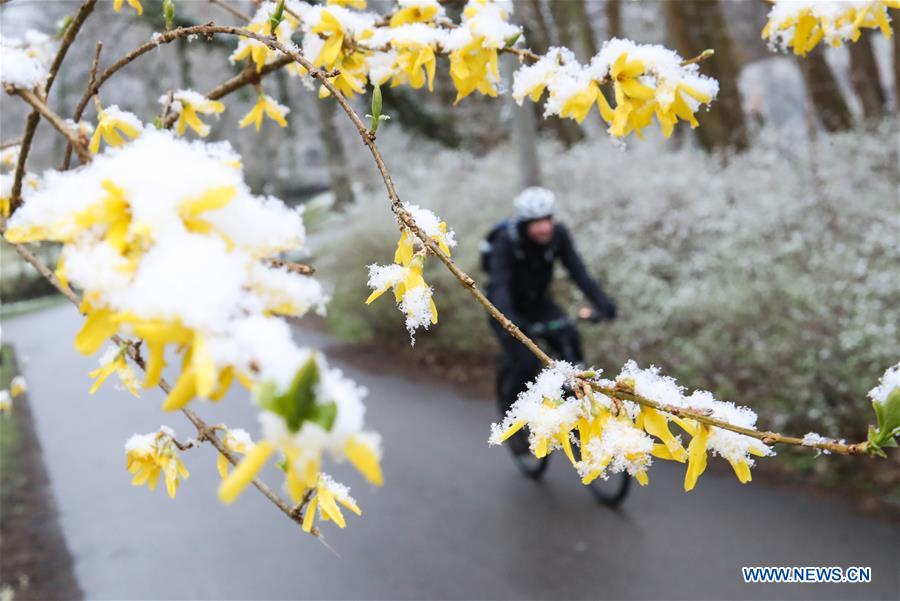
454 520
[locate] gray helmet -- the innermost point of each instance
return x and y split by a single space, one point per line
534 203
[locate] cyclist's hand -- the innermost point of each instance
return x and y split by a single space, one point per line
588 313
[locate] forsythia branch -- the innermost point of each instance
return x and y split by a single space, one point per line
205 432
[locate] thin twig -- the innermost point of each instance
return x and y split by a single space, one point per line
34 117
769 438
205 432
55 120
235 12
10 144
95 64
300 268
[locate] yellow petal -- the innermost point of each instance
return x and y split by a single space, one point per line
222 464
98 327
310 514
185 389
364 459
330 508
696 457
245 471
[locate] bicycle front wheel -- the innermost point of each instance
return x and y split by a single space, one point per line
611 491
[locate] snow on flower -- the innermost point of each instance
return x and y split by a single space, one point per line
547 408
112 122
256 51
25 63
157 238
801 24
187 104
317 411
236 440
413 295
113 361
150 455
615 436
648 80
18 386
328 494
889 382
268 107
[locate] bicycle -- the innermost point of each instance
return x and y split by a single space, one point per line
609 492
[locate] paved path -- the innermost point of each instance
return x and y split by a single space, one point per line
454 519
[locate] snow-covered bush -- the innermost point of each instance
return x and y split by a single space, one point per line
769 277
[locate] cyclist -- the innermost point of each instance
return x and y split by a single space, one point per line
519 257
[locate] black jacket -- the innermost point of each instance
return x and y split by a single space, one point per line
521 272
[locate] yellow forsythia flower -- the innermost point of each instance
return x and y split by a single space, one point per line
17 386
474 68
328 494
113 361
135 4
357 4
149 455
191 103
801 25
111 122
265 106
415 13
236 441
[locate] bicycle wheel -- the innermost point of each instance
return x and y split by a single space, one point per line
611 491
517 444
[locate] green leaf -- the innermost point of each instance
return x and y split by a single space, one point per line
64 27
324 414
266 395
513 39
168 8
890 412
277 15
297 403
376 109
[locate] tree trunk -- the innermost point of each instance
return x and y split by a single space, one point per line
695 26
865 77
613 19
538 35
335 159
824 91
895 19
584 28
524 133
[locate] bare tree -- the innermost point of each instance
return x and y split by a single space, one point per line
613 19
335 158
895 18
695 26
824 92
538 34
864 76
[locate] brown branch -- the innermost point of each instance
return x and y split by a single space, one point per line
10 144
55 120
300 268
205 432
94 66
769 438
34 117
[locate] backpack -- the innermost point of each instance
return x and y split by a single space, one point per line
486 247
